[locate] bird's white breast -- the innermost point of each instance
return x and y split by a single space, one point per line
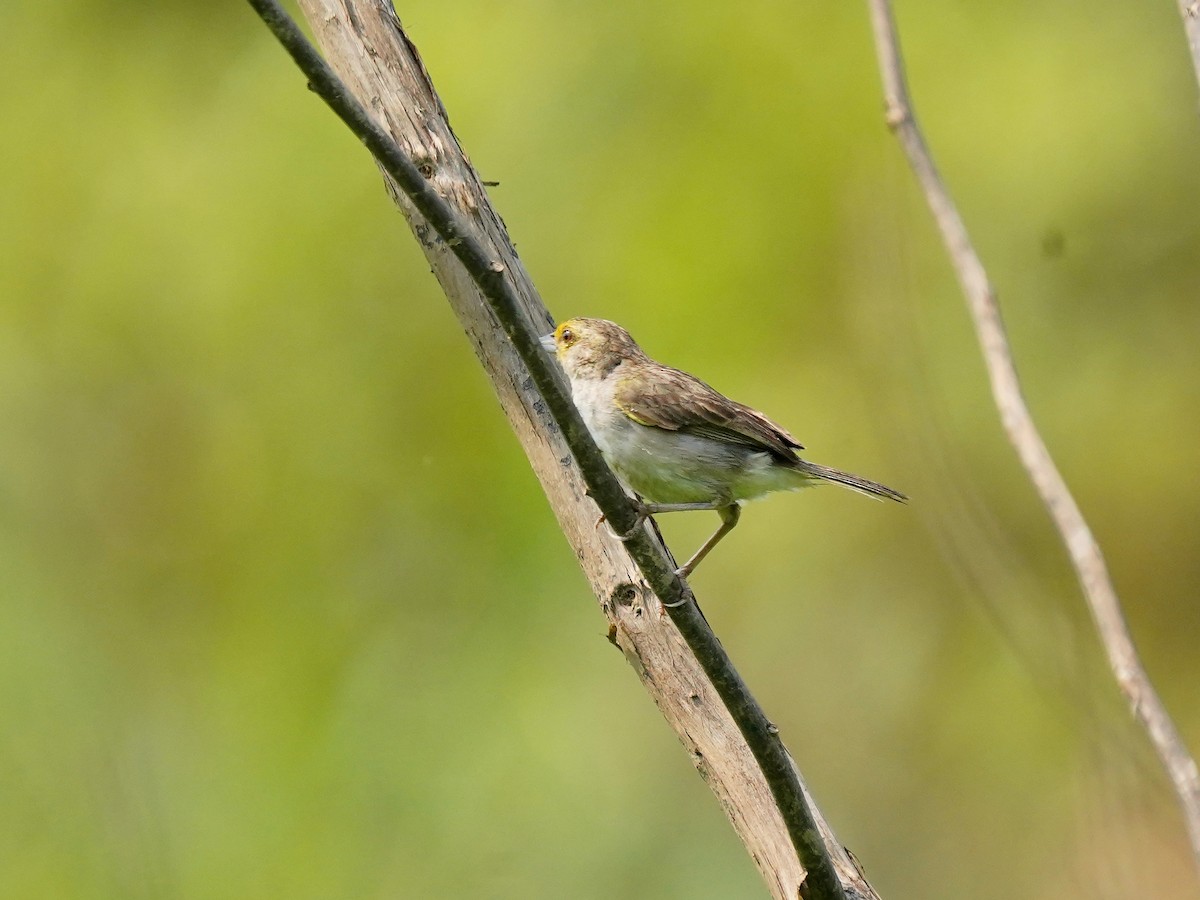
666 466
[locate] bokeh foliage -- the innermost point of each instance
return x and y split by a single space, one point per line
282 610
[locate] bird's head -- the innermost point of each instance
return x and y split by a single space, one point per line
591 348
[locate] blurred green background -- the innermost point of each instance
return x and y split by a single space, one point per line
283 611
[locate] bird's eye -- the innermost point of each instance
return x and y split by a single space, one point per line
567 336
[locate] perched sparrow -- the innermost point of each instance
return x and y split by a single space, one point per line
679 444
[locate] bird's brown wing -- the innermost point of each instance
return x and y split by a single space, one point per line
662 397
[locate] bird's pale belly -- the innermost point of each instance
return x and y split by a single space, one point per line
669 467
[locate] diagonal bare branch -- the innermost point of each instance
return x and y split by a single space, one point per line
1084 551
679 659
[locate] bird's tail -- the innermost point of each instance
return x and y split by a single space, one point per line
854 482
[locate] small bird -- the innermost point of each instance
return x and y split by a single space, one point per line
676 442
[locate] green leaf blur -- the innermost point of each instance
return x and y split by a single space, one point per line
283 612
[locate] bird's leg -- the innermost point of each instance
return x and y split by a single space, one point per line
729 518
645 510
656 508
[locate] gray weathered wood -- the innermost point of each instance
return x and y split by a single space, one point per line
367 47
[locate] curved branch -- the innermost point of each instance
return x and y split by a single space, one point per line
1084 551
498 278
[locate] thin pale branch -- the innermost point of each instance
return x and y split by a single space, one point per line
1084 551
492 278
1189 10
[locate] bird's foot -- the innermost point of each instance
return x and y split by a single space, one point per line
643 513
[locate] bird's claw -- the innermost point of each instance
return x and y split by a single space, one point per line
642 514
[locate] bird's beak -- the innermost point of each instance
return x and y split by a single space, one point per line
547 342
